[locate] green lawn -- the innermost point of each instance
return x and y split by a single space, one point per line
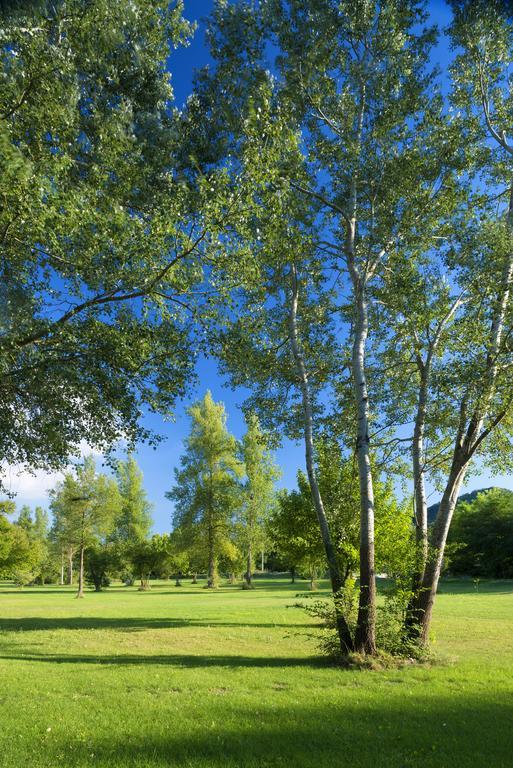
185 677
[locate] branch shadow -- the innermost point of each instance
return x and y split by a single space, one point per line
176 660
128 624
417 732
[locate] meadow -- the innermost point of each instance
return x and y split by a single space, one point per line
190 678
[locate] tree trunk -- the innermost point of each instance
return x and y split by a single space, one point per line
421 522
420 620
468 440
212 565
344 634
292 575
248 576
212 557
365 640
70 566
262 561
80 592
61 582
194 578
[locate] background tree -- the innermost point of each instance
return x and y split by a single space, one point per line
19 555
151 556
294 532
207 489
134 522
259 492
84 504
103 560
480 541
101 226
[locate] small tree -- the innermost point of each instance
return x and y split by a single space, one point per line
150 557
259 494
84 505
134 521
207 489
294 532
102 561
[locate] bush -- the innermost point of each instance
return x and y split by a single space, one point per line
392 639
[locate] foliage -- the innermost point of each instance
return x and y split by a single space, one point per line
134 521
149 557
99 226
481 537
102 562
259 496
294 528
19 554
207 490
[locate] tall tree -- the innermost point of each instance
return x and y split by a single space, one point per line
259 491
483 260
134 521
207 485
84 505
350 125
101 225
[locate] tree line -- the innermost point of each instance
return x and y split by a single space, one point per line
328 214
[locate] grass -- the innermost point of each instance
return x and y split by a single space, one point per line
187 678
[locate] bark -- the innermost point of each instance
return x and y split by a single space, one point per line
248 576
423 604
292 575
194 578
70 566
365 640
469 438
344 634
80 592
418 460
61 582
212 558
212 563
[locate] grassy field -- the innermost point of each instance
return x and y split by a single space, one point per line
185 677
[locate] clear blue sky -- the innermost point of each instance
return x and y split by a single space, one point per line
158 465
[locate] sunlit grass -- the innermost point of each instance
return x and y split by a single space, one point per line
185 677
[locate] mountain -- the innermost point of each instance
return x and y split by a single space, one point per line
467 497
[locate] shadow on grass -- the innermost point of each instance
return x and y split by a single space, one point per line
412 732
176 660
127 624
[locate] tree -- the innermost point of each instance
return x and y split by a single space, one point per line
134 522
350 131
207 490
474 382
101 226
151 556
294 532
259 493
297 534
481 536
102 560
84 505
37 532
18 554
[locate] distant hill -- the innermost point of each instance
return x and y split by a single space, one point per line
467 497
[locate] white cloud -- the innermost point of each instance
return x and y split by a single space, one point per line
29 486
32 487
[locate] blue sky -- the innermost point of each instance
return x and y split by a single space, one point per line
157 465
